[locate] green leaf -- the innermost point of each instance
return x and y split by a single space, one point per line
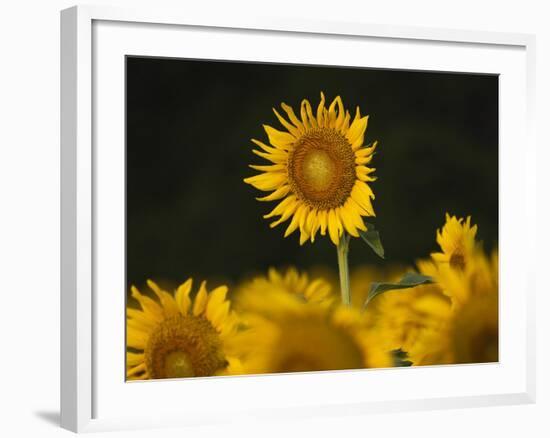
400 358
372 238
410 279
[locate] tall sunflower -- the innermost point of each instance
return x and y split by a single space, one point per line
318 171
175 336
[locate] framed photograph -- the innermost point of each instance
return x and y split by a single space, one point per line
257 208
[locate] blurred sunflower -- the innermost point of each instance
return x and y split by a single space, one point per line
470 334
457 240
454 320
287 334
290 281
319 169
402 318
175 336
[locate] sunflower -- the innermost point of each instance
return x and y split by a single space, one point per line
470 334
175 336
408 319
318 171
290 281
286 333
457 240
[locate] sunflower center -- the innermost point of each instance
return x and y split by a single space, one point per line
457 260
318 169
184 346
321 168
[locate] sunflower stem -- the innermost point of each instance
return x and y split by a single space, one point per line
343 269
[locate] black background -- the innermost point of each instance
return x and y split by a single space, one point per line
189 125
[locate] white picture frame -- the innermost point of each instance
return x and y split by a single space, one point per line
95 398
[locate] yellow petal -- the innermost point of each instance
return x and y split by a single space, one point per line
321 111
148 305
304 237
274 158
182 296
323 221
279 139
347 222
292 116
133 359
345 124
281 192
295 220
143 318
136 370
266 148
215 300
218 317
315 224
352 210
333 227
289 210
281 207
136 339
362 199
341 114
356 132
365 152
200 300
268 168
309 113
332 112
267 181
167 300
290 128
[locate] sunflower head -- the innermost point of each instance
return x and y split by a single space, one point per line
290 281
404 319
469 333
287 333
457 240
174 336
318 171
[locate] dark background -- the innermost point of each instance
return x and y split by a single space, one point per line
189 125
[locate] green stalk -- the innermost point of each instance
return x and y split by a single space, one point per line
343 269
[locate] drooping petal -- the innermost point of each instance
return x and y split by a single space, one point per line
295 222
347 222
333 227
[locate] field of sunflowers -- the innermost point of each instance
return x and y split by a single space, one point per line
317 169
